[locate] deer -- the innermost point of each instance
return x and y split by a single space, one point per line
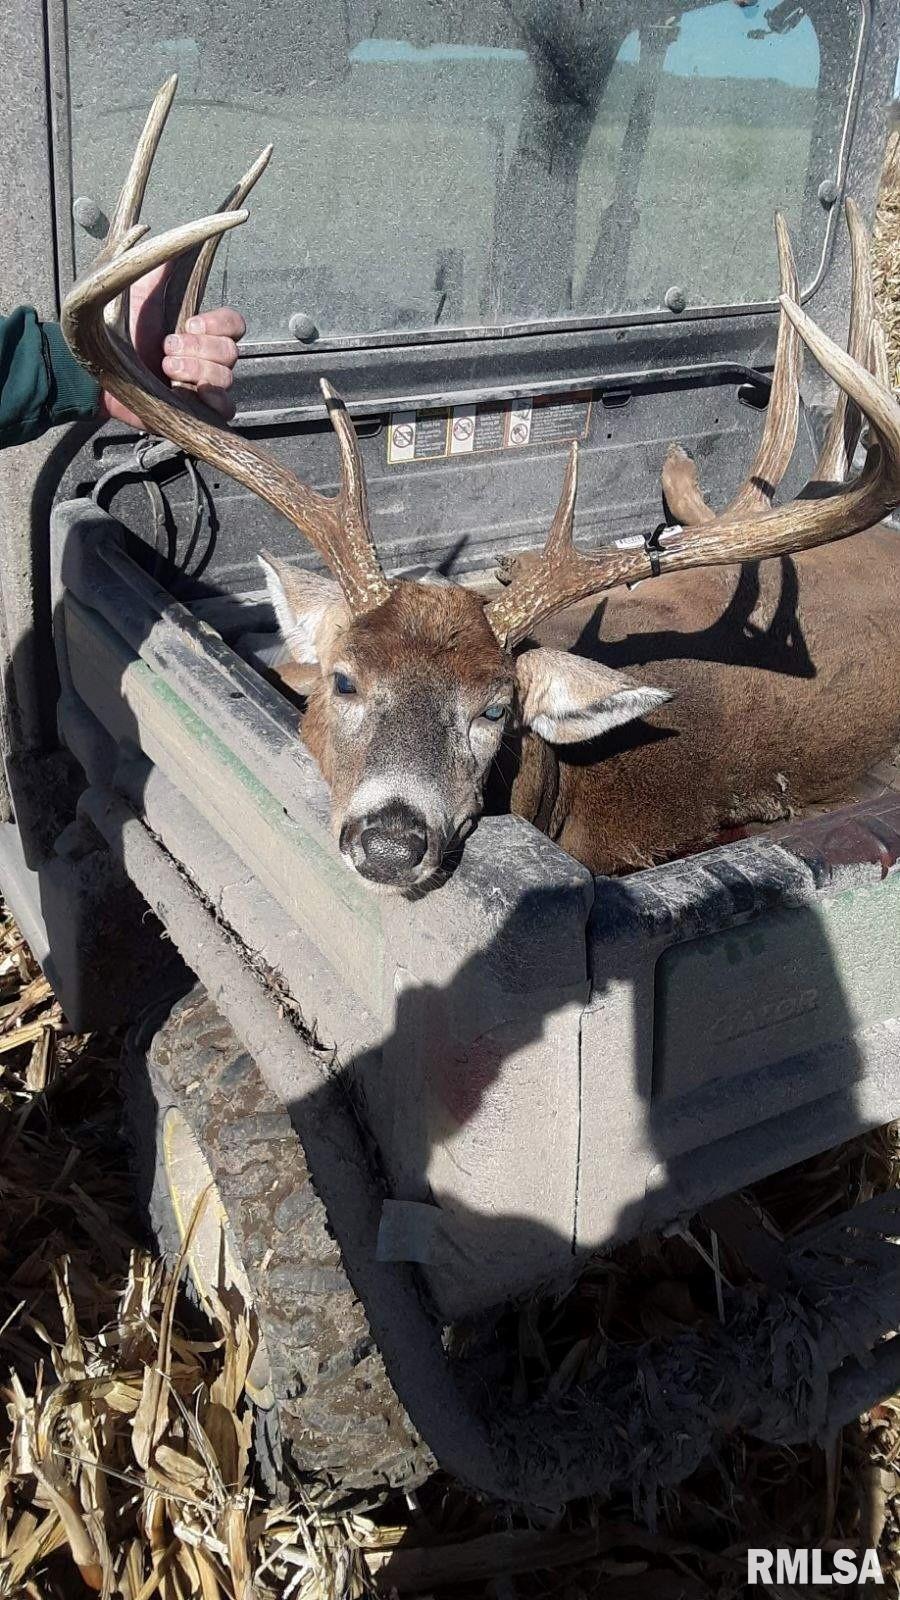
631 702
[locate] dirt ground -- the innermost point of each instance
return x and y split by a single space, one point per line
125 1464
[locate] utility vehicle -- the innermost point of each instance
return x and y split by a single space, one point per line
496 228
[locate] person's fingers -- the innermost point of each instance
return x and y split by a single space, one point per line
208 347
224 321
218 400
197 372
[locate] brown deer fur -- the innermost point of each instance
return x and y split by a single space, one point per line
786 677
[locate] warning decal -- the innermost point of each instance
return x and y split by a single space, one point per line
495 425
417 435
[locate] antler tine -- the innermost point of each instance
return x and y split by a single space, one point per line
875 400
178 416
842 433
354 504
776 447
198 273
559 539
681 487
331 524
121 234
879 363
538 590
512 613
799 525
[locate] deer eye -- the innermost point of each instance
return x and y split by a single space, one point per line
495 713
343 684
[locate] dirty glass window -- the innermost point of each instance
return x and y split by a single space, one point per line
475 162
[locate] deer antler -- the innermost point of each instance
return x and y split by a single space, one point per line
94 324
845 424
865 344
563 575
681 489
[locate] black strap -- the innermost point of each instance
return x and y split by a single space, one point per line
651 545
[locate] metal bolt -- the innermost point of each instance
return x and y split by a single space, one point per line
90 217
828 193
303 328
676 299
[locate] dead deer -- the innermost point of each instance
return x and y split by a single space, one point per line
781 659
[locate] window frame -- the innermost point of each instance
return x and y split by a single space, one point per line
424 337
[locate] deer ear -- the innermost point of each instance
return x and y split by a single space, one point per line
565 698
310 609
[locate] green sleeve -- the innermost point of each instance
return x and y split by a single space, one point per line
41 383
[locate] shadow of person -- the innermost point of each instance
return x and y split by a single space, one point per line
659 1136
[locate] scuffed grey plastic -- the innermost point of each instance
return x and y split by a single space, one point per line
548 1062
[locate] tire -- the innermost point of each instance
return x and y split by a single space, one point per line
325 1408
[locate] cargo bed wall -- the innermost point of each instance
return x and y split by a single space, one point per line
547 1062
456 1018
755 990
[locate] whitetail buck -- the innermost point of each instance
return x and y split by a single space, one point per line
783 670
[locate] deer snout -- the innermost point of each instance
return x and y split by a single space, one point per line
386 845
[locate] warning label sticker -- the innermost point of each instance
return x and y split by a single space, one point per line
417 435
495 425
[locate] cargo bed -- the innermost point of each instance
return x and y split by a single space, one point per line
547 1061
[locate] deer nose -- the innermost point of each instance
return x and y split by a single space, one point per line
386 845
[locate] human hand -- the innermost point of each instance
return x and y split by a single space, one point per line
202 358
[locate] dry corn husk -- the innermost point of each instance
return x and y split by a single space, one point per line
886 253
125 1439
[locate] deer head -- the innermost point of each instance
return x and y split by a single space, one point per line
411 686
408 703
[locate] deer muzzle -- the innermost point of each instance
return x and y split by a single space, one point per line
389 845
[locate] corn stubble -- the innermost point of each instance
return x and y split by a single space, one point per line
125 1449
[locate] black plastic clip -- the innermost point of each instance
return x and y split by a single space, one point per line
651 545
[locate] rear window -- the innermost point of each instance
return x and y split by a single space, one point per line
478 164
